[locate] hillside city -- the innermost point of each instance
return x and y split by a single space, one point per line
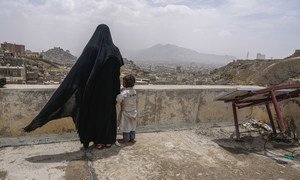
19 65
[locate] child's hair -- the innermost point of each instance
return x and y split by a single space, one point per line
129 80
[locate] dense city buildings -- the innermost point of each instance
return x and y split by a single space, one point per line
21 66
18 65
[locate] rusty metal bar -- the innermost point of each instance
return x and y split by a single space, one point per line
278 87
271 117
278 112
266 90
256 102
266 96
291 94
236 123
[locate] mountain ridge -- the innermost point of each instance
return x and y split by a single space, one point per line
170 53
59 55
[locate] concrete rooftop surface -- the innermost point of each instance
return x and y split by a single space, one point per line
200 153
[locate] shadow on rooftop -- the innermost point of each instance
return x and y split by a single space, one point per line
82 154
281 152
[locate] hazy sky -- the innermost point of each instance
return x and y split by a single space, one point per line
230 27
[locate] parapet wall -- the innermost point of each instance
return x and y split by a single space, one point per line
159 107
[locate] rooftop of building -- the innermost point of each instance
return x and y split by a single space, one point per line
199 153
204 150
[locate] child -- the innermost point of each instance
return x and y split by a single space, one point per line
128 114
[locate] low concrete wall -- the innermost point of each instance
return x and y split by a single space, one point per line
159 107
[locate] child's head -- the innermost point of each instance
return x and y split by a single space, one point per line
128 81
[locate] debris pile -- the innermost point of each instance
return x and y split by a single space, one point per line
255 125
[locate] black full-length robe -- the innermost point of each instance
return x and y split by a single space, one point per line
88 93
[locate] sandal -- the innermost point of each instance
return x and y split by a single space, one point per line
99 146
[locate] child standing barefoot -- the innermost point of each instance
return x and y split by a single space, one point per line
128 114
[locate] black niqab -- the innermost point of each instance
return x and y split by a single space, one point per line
88 92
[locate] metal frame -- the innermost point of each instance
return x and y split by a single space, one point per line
269 95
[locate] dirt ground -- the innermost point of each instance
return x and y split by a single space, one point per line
202 153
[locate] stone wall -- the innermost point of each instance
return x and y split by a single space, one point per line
159 108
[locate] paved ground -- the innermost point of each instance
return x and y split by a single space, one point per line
206 153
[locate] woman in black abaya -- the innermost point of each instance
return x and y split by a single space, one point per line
88 93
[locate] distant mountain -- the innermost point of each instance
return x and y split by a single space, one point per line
174 54
60 56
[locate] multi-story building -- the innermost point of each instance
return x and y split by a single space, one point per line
13 74
33 55
16 49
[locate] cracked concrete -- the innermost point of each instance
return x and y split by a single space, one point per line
203 153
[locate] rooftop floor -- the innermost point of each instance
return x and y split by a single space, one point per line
203 153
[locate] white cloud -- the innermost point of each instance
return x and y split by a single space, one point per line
225 33
214 27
